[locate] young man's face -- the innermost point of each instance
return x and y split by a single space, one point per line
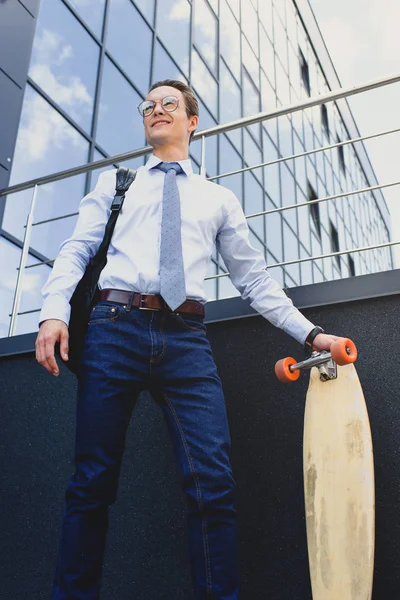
163 127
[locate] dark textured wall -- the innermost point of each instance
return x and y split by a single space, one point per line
146 556
17 29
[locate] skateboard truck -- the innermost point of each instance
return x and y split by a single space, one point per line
343 352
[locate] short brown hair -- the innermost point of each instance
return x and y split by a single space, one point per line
191 104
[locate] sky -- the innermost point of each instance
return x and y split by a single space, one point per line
363 39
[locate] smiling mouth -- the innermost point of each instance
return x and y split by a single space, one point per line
160 123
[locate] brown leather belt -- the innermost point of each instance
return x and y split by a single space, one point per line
148 302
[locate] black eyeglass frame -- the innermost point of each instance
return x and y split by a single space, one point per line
155 104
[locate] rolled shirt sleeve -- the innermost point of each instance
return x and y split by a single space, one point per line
76 251
248 272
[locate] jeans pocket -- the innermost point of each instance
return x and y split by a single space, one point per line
105 312
191 322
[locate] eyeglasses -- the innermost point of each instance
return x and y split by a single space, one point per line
169 103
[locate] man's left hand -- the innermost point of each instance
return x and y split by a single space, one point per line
324 341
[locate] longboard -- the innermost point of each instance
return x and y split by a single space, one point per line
338 474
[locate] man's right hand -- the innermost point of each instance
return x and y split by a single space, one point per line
50 332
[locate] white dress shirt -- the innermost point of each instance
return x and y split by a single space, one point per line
209 212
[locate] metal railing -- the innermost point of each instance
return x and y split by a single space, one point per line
219 129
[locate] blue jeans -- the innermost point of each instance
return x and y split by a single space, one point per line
126 352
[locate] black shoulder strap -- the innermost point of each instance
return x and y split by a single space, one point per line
125 177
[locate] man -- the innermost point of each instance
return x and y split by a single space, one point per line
160 249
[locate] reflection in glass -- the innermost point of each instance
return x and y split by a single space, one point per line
251 103
288 195
129 39
282 84
251 62
64 61
273 226
120 127
254 203
280 41
205 33
230 103
230 39
211 154
268 97
147 8
303 215
231 161
305 268
164 67
235 6
291 252
46 143
173 26
267 56
250 24
92 11
271 172
252 154
204 83
265 15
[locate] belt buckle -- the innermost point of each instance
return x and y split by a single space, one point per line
145 307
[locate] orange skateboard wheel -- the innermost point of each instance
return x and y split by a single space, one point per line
344 351
283 372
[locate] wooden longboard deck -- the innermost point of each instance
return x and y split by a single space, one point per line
339 488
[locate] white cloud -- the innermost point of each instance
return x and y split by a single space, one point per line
73 94
44 130
179 11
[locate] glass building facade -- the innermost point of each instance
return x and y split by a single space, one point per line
93 61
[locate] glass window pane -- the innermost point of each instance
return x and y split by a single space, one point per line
211 153
120 126
288 195
271 172
230 39
173 27
64 61
164 67
92 11
250 24
251 103
282 84
265 15
127 36
254 203
231 161
230 103
251 62
46 144
235 6
214 4
204 83
268 96
252 154
280 41
291 252
205 33
267 56
273 225
147 8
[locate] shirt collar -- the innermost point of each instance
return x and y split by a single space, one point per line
185 164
